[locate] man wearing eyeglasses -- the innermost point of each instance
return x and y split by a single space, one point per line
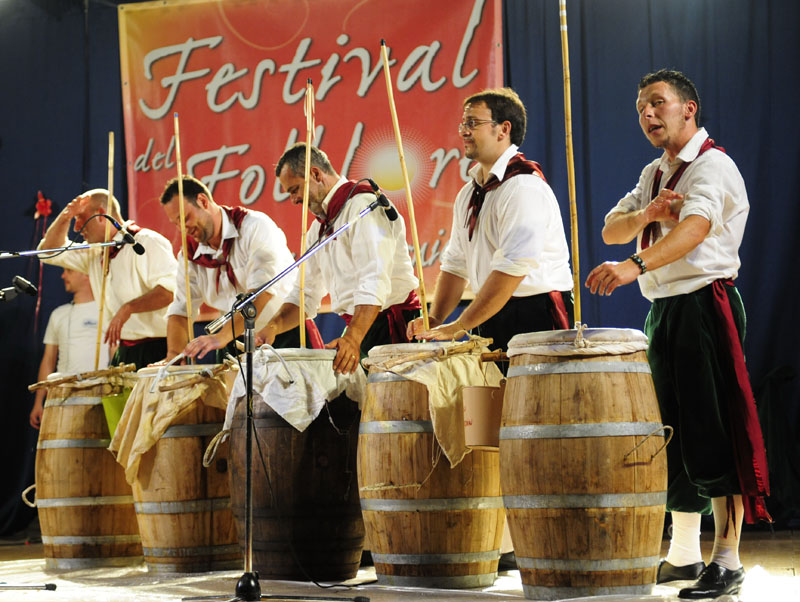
507 239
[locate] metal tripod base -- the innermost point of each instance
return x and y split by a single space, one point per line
248 588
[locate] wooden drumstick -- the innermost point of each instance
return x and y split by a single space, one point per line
181 204
573 210
101 301
412 220
309 111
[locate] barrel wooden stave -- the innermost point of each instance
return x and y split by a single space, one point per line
557 548
85 509
315 509
193 529
416 542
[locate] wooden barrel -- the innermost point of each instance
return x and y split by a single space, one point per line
85 505
306 516
586 510
428 525
182 507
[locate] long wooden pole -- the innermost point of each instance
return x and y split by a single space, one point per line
411 218
181 204
309 111
573 209
109 205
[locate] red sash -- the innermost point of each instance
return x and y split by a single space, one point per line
652 231
558 311
517 165
340 197
748 441
236 215
394 314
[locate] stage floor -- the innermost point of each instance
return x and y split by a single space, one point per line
772 562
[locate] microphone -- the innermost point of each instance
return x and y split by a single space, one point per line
127 237
23 286
388 208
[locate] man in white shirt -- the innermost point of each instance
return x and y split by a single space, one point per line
366 269
231 250
70 338
138 286
507 239
687 214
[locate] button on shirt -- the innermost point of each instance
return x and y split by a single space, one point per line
258 254
129 277
367 264
713 189
519 232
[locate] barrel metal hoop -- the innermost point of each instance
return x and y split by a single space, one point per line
573 367
582 500
207 505
70 443
432 505
542 592
571 431
466 557
185 552
385 377
192 430
64 502
88 563
95 540
381 427
564 564
451 582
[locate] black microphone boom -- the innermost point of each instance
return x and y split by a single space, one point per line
127 237
388 208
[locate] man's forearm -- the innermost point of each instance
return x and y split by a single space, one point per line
152 300
449 289
622 228
490 299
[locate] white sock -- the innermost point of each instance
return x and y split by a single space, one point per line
728 515
684 547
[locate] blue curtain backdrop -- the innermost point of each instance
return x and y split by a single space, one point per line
59 66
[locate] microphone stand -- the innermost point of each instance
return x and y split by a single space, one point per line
75 247
248 587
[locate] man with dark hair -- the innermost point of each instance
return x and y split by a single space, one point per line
507 239
138 287
688 214
367 269
231 250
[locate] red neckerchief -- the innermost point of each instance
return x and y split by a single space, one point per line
338 201
652 231
747 439
236 215
394 313
517 165
114 251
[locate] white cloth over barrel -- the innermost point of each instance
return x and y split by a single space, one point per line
148 415
299 395
596 341
444 377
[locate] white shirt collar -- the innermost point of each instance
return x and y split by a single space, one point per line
331 192
499 167
228 231
689 151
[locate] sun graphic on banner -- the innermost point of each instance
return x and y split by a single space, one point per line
377 158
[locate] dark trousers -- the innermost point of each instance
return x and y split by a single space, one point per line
142 354
691 375
523 314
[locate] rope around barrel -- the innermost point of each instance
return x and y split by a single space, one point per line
662 428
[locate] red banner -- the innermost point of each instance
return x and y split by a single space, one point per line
235 71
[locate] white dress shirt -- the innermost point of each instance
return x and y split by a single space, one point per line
129 277
368 264
713 189
258 254
519 232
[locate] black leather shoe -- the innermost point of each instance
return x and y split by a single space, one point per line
670 572
713 582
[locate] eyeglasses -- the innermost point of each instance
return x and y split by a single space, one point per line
471 124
